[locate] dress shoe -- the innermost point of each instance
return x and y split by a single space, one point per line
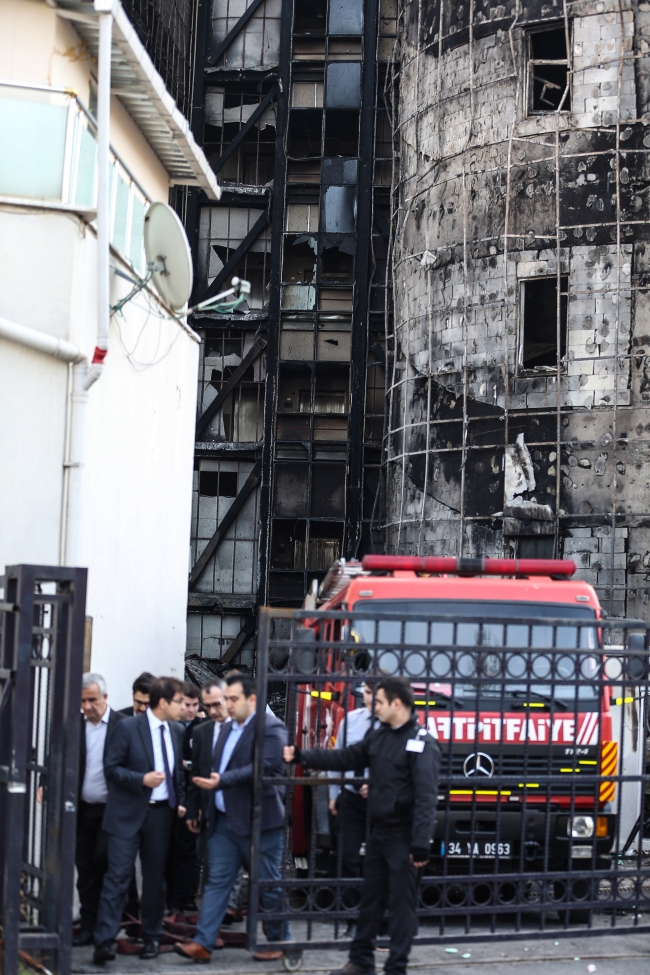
193 952
83 939
272 954
103 953
151 949
351 969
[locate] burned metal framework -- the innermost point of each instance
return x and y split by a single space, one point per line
168 32
291 109
550 836
523 173
41 662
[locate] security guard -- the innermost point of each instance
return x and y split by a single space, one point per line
404 762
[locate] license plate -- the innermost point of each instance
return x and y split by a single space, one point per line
478 850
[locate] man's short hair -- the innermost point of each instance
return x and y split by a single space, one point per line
89 679
142 684
248 684
190 690
214 682
164 689
397 687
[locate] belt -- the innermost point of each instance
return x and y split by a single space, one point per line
159 803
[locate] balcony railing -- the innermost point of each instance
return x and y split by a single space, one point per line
50 154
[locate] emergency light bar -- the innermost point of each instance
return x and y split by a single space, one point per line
469 567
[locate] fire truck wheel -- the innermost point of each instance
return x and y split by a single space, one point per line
292 961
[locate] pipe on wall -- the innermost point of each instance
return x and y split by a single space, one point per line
32 338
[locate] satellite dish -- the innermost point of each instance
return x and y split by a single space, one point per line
168 252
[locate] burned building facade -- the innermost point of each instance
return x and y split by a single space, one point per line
442 212
518 392
290 108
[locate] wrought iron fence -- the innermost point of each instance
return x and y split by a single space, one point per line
543 815
41 659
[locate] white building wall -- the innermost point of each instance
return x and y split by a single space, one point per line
137 485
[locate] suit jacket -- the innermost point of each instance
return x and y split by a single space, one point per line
128 758
237 778
127 712
114 719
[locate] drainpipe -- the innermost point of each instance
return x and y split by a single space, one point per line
83 376
103 8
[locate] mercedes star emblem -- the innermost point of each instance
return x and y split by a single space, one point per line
478 763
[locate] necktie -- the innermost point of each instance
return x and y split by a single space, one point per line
171 789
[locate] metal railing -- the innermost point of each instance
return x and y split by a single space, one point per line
543 815
50 154
41 658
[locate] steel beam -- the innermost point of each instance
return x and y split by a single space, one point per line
225 391
359 338
250 484
244 634
232 34
233 261
245 129
272 354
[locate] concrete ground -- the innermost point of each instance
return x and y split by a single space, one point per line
624 952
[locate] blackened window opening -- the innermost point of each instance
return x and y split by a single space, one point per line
222 484
549 71
539 298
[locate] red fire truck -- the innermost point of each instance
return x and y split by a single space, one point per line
548 729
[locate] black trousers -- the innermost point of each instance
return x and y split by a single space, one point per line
389 878
90 860
153 843
183 871
351 834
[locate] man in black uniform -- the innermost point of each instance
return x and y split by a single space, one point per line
404 762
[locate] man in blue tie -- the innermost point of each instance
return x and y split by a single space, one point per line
221 801
146 790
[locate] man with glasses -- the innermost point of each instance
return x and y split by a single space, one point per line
146 791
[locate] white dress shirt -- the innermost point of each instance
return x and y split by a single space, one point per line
353 728
232 741
160 792
94 788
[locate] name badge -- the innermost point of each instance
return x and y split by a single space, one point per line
413 745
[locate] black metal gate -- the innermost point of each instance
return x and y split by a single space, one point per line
41 661
543 818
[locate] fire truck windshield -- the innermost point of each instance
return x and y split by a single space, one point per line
553 677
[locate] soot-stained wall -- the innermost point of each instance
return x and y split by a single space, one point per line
518 418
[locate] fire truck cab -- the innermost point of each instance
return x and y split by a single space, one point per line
555 739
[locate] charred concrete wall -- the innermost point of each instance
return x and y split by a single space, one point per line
519 390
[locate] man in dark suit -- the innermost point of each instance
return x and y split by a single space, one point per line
222 794
98 724
141 689
183 871
146 790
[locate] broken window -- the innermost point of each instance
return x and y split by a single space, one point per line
305 133
309 16
341 132
336 266
548 71
218 484
288 545
539 299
